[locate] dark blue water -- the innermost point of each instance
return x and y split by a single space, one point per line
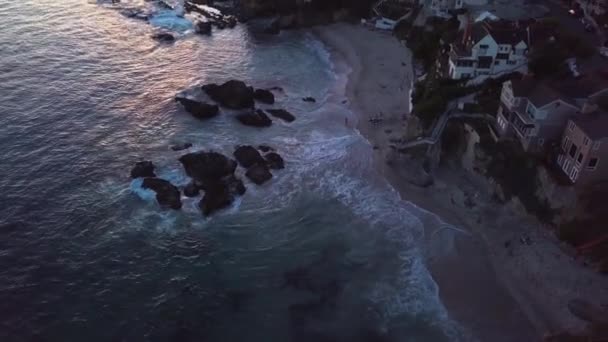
85 254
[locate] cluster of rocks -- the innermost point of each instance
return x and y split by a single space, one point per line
236 95
212 173
217 20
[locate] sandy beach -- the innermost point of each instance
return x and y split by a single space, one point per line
497 287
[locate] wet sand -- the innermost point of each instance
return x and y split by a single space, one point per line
479 284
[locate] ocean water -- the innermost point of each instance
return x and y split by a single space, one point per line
87 255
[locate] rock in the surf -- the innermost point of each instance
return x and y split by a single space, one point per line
199 110
191 190
255 118
274 161
221 194
265 148
309 99
181 147
167 194
247 156
232 94
207 167
143 169
259 174
203 27
216 197
163 37
281 114
264 96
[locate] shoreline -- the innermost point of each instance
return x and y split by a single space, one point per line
494 292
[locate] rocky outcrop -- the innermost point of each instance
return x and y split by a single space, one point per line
247 156
191 190
232 94
255 118
259 174
221 194
207 167
309 99
143 169
167 195
213 173
274 161
203 27
163 37
282 114
264 96
199 110
265 148
181 147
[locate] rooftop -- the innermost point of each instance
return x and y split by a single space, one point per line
595 124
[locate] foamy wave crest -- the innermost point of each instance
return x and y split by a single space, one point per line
145 194
321 51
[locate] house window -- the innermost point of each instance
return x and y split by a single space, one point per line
592 164
571 125
579 160
585 141
496 62
530 110
573 174
566 144
596 145
566 166
573 149
511 62
541 142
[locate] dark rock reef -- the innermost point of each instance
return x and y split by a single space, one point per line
167 194
255 118
199 110
282 114
232 94
264 96
143 169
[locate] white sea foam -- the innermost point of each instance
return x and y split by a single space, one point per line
145 194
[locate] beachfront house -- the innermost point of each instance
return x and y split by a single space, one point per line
491 48
389 12
583 156
535 113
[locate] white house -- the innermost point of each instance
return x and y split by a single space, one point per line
490 48
536 112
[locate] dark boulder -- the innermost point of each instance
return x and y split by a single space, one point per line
163 37
203 27
143 169
191 190
167 194
274 161
259 174
247 156
180 147
255 118
221 194
264 96
216 197
207 167
309 99
265 148
282 114
199 110
232 94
